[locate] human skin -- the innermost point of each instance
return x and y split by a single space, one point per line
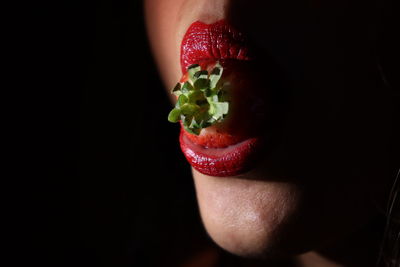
331 163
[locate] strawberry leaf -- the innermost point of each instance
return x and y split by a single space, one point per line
202 84
192 70
186 88
200 101
215 75
174 115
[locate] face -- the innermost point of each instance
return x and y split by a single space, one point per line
326 164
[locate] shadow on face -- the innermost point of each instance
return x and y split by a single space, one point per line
330 155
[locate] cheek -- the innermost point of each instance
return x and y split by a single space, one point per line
246 217
162 22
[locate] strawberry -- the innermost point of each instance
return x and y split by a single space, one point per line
210 108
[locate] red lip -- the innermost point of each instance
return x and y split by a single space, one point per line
229 161
211 42
219 40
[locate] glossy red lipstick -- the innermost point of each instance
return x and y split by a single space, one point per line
214 41
229 161
221 42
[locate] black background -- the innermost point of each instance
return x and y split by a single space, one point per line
137 198
103 182
100 180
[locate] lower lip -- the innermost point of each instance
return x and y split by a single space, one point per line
229 161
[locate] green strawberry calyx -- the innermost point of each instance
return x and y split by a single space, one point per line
201 99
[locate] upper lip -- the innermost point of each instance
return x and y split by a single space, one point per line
219 40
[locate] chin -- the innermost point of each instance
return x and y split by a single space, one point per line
251 218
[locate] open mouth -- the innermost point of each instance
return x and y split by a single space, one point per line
235 147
